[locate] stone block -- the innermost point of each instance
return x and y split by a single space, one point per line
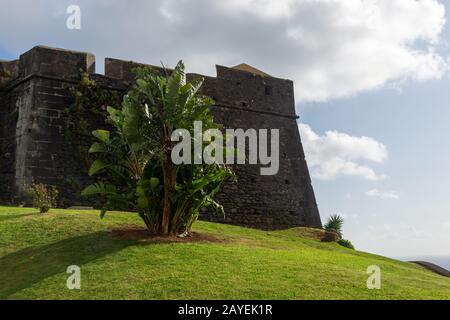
53 62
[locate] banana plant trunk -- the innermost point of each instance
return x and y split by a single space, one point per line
169 186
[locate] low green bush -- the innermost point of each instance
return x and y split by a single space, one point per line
346 243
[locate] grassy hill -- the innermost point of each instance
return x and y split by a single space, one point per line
118 261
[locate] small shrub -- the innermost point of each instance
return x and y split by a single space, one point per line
44 197
346 243
335 224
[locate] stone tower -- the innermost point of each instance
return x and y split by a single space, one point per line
35 90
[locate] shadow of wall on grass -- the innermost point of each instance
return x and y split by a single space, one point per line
21 269
18 216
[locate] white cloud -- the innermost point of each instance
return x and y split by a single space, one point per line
375 193
330 48
338 154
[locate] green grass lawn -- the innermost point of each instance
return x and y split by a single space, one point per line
35 251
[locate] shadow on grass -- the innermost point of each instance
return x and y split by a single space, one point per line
21 269
18 216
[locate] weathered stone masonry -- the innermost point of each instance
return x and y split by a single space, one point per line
34 91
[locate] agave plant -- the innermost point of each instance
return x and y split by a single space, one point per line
335 223
135 158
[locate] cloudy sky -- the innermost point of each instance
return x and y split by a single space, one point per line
372 90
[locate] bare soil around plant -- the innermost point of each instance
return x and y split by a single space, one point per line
137 233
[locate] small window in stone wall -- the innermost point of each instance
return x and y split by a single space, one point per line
268 90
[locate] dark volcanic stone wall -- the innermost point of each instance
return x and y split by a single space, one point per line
33 129
33 147
248 101
10 100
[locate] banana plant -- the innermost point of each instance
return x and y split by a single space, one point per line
133 161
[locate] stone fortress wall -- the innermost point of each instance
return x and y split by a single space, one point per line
35 90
